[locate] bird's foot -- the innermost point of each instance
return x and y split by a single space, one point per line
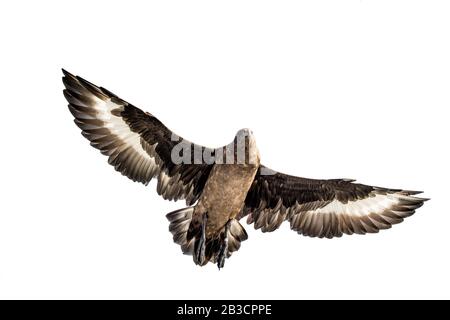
200 252
223 248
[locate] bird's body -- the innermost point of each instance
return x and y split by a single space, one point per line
224 194
227 183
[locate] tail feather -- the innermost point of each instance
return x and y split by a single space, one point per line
236 234
186 231
179 226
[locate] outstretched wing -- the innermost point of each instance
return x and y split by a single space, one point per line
324 208
137 144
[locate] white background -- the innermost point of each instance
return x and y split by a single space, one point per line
331 89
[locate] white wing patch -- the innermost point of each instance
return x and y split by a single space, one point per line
119 127
358 208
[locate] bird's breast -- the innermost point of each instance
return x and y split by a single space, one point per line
224 194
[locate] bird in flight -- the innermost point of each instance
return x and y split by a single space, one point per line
223 185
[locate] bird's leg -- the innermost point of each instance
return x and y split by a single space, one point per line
223 247
200 254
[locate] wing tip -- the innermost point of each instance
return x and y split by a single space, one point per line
411 192
68 79
67 74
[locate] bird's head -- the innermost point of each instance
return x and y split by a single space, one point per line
245 147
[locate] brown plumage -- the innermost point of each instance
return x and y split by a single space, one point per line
225 184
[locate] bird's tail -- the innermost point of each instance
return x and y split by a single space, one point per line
189 232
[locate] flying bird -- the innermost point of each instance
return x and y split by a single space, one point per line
223 185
